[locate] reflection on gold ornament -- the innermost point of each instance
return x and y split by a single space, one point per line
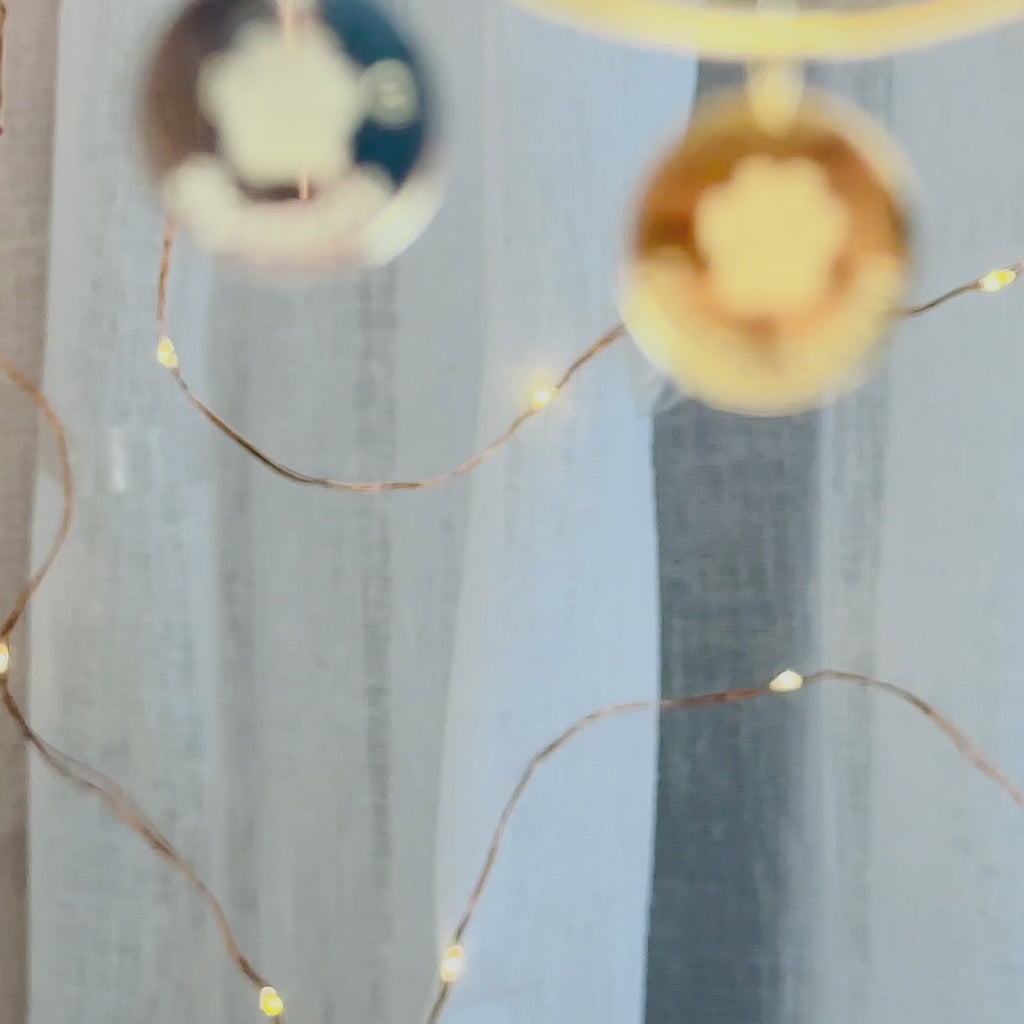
767 261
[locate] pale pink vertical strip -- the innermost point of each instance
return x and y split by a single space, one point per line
28 89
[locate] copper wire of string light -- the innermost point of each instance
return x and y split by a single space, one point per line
167 355
21 381
786 682
127 811
539 402
124 808
993 281
82 776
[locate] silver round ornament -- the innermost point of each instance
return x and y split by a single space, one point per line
292 133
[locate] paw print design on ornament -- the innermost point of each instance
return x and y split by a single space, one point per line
766 261
770 236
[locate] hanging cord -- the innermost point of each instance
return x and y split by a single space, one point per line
167 354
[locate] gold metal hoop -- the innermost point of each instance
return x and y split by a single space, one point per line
721 31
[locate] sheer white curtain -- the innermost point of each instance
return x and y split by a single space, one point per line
922 558
279 675
324 699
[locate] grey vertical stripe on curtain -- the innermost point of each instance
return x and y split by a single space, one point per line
736 515
742 504
25 157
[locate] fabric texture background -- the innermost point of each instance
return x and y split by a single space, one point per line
324 699
295 684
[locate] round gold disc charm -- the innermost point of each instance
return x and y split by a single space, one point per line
768 257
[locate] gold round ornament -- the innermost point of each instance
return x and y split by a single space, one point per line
803 29
770 252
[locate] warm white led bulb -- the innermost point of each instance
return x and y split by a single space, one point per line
786 682
166 355
271 1004
5 658
997 280
542 398
453 963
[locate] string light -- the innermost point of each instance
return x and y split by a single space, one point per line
88 780
542 398
997 280
5 658
166 354
53 421
80 775
271 1004
993 281
786 682
539 401
453 963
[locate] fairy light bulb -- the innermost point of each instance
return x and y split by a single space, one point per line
786 682
166 354
542 398
997 280
453 963
271 1004
5 658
